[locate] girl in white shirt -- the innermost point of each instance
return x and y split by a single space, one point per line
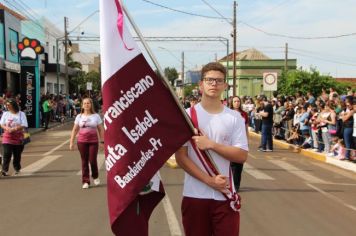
87 125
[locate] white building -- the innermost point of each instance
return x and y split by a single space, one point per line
90 61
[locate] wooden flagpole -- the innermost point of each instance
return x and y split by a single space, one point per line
160 71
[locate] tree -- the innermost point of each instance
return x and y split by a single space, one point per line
188 89
94 77
78 84
72 63
171 74
307 80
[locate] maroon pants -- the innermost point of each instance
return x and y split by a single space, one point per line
134 221
88 154
208 217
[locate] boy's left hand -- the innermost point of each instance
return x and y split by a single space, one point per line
203 142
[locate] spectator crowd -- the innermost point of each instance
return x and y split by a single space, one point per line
324 123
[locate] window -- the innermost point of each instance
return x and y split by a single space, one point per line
49 88
2 41
54 51
12 44
61 90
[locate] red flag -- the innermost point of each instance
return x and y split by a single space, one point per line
143 125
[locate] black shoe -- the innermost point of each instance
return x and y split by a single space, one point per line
261 150
3 173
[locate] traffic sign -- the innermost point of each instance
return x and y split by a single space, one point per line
270 81
89 86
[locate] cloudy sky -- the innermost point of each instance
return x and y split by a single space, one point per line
313 29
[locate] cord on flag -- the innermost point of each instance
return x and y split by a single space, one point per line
143 125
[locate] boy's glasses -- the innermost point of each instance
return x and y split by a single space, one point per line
210 81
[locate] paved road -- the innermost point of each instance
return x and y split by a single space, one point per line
283 194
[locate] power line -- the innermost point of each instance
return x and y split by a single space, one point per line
183 12
297 37
258 29
30 27
269 11
322 59
93 13
32 20
32 13
321 53
226 19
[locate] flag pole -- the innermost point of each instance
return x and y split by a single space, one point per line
159 69
163 77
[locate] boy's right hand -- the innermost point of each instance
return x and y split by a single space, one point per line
220 183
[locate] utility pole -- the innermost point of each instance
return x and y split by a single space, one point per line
65 48
234 53
183 74
286 58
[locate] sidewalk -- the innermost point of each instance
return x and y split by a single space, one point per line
311 154
50 126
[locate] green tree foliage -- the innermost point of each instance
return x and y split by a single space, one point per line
72 63
94 77
188 89
78 84
307 80
171 74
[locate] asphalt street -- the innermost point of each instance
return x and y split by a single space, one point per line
283 193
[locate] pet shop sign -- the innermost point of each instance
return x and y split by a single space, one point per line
29 50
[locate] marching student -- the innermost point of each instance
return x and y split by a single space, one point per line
13 123
210 203
87 125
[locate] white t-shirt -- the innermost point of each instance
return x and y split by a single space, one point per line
88 127
12 120
354 133
227 127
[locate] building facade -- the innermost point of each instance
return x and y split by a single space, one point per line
10 34
90 61
251 64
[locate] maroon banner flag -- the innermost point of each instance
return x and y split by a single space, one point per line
143 125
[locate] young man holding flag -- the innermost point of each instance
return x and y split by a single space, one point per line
210 204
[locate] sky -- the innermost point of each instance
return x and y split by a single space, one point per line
266 25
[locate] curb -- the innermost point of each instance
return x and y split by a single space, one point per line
172 163
314 155
33 131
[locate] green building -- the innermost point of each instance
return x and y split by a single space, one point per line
250 66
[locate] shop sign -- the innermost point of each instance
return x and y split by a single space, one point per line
12 66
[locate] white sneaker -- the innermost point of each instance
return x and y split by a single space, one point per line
85 186
97 181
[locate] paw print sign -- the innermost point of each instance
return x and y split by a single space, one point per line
30 48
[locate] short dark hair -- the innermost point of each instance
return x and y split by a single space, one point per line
193 98
212 66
